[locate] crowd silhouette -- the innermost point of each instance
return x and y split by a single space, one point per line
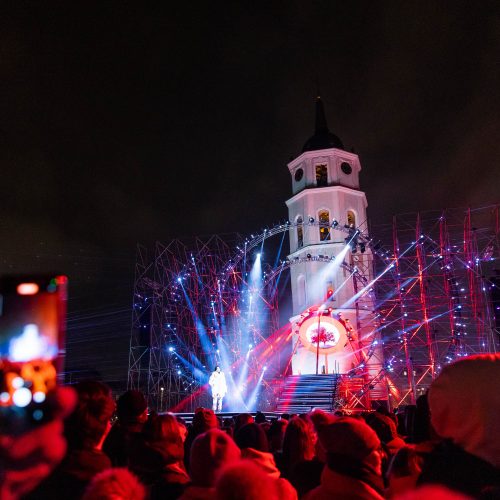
447 446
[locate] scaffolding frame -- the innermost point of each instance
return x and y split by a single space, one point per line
432 304
436 304
186 299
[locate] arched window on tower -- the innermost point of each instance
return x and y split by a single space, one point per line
321 175
324 225
351 218
300 232
301 290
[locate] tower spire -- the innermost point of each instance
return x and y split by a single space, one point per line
322 138
321 124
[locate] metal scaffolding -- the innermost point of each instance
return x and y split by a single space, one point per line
436 303
428 302
189 302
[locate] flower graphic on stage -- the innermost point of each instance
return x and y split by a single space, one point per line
321 331
325 333
324 337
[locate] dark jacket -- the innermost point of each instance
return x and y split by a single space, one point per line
71 477
118 441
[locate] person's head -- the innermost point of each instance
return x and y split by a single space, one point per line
386 430
115 483
210 452
351 442
252 436
217 369
439 492
241 420
403 471
299 441
89 424
203 420
245 480
464 406
165 429
162 427
260 418
276 433
182 427
320 417
132 407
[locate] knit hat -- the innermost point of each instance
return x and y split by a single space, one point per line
115 483
131 404
244 480
465 404
349 437
204 419
433 492
211 451
385 429
252 436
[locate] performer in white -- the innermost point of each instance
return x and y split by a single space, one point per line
219 388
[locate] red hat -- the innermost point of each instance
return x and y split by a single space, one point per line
245 479
204 419
211 451
350 437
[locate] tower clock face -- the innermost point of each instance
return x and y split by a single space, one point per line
299 173
346 168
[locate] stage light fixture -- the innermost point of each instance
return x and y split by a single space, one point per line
311 220
362 247
309 256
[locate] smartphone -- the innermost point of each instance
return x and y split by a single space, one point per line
32 335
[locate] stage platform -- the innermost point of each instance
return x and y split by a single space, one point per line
188 417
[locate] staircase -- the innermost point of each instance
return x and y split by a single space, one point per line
302 393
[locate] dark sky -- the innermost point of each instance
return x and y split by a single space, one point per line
121 124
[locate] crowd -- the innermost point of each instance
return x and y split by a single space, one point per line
447 447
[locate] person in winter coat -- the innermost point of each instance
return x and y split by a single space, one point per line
464 405
158 459
354 462
211 451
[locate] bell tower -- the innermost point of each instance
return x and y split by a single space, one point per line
326 196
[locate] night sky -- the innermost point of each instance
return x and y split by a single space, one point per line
121 125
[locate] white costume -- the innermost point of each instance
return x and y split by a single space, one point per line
219 388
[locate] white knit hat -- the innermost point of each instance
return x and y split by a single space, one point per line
465 405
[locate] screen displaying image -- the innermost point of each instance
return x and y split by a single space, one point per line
29 326
31 332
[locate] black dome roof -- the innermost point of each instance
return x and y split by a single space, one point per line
322 138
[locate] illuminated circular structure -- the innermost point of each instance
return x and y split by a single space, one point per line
325 330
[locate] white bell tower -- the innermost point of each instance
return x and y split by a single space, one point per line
325 186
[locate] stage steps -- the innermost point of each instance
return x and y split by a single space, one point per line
302 393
